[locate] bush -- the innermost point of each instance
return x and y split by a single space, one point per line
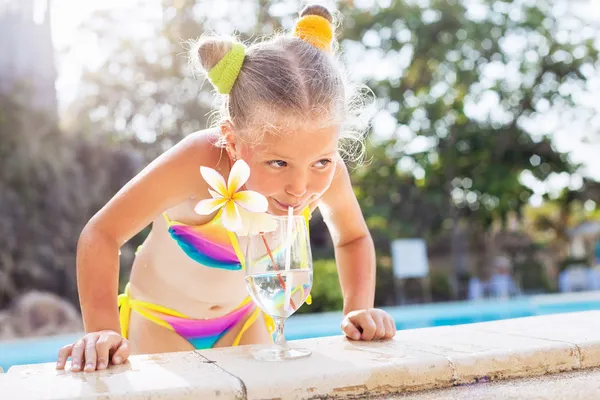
384 287
326 291
569 261
533 278
441 289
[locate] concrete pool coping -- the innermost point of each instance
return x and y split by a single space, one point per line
414 360
573 385
306 326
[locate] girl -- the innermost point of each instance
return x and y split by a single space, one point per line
283 122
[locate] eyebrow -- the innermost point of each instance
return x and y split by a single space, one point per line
279 156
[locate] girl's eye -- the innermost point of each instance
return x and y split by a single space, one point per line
277 163
323 163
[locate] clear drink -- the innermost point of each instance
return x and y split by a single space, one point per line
268 290
278 266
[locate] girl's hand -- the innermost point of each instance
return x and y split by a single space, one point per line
370 324
96 350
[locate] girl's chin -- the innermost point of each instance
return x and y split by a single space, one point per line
275 212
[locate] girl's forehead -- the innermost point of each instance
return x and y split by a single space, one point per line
297 143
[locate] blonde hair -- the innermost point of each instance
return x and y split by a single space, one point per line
285 81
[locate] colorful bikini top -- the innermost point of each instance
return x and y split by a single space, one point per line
211 244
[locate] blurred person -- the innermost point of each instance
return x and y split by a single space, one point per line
501 283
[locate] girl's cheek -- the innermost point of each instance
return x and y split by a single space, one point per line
259 183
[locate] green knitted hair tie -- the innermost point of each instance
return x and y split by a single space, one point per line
224 74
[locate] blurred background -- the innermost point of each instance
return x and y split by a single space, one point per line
483 159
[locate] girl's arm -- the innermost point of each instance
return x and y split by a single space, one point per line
355 258
169 180
354 249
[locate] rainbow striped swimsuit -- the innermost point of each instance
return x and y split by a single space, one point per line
213 246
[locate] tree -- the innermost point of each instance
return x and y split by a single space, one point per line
469 82
145 94
465 90
50 186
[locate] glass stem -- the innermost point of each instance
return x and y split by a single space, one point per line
279 337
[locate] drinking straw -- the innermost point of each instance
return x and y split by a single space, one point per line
283 285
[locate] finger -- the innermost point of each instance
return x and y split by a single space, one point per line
63 355
90 354
77 355
369 328
379 326
122 352
390 327
350 330
103 346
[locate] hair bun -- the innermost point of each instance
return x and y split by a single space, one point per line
318 10
222 60
211 50
315 26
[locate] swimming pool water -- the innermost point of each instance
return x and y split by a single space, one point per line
44 349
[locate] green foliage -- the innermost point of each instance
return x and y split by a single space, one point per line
441 289
533 278
385 291
571 261
326 293
50 185
472 161
469 87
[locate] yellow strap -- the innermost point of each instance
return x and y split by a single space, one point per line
153 318
124 312
270 323
236 247
138 304
169 221
126 304
251 319
308 215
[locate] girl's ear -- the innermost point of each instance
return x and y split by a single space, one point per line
227 133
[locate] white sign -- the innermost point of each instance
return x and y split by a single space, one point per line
409 258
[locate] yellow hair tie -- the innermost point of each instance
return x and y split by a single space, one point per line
315 30
224 74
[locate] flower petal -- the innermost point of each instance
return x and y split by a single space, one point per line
215 194
231 217
208 206
238 176
251 201
215 180
255 223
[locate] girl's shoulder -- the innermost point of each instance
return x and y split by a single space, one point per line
203 148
